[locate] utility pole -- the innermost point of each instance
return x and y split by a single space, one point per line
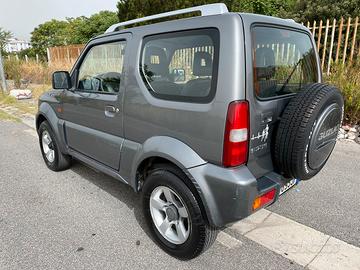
2 74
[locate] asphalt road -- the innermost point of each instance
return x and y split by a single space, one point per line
329 202
82 219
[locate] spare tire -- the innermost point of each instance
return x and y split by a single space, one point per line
308 130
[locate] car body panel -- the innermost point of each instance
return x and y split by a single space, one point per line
89 128
264 114
189 135
147 116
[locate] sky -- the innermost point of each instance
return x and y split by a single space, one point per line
22 16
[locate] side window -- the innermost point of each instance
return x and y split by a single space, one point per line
102 68
181 66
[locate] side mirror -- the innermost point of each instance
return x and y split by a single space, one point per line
61 80
178 75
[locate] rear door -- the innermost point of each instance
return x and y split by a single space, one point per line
93 109
281 59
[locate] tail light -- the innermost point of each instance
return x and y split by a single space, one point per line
236 137
264 199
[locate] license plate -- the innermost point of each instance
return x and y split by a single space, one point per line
288 185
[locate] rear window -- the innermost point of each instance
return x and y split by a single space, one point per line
181 66
284 60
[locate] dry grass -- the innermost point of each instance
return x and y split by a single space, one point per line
37 73
5 99
39 89
7 117
41 73
24 106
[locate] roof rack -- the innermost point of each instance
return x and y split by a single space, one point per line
206 10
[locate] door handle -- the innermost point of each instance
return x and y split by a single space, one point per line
110 111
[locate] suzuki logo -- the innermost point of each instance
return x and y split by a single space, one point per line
327 133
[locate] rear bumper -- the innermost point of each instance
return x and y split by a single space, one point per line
228 193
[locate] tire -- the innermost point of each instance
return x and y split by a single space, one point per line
59 161
200 235
308 130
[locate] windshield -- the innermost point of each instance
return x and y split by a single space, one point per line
283 59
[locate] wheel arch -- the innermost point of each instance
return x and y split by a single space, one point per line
46 113
171 153
40 117
155 162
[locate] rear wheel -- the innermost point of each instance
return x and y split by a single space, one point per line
54 159
174 215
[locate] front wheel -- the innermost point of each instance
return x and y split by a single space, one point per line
174 215
54 159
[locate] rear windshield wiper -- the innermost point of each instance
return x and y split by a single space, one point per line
290 76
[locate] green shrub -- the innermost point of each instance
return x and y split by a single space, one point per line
347 79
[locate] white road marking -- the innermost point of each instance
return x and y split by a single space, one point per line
227 240
299 243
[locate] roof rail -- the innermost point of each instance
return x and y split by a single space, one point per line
206 10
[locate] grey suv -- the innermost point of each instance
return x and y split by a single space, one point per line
210 118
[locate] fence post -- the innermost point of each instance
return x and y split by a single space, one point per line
48 56
325 43
26 59
339 39
346 39
319 35
314 28
68 53
331 46
37 58
2 75
354 39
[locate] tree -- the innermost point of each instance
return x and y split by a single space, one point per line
72 31
4 38
82 29
131 9
310 10
49 34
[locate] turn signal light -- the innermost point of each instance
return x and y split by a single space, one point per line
264 199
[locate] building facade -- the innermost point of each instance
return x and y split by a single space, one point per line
16 45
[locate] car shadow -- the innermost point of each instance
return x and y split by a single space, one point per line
115 188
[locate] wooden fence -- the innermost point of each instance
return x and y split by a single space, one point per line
67 54
337 41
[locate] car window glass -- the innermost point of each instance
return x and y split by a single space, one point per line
284 60
102 68
181 66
